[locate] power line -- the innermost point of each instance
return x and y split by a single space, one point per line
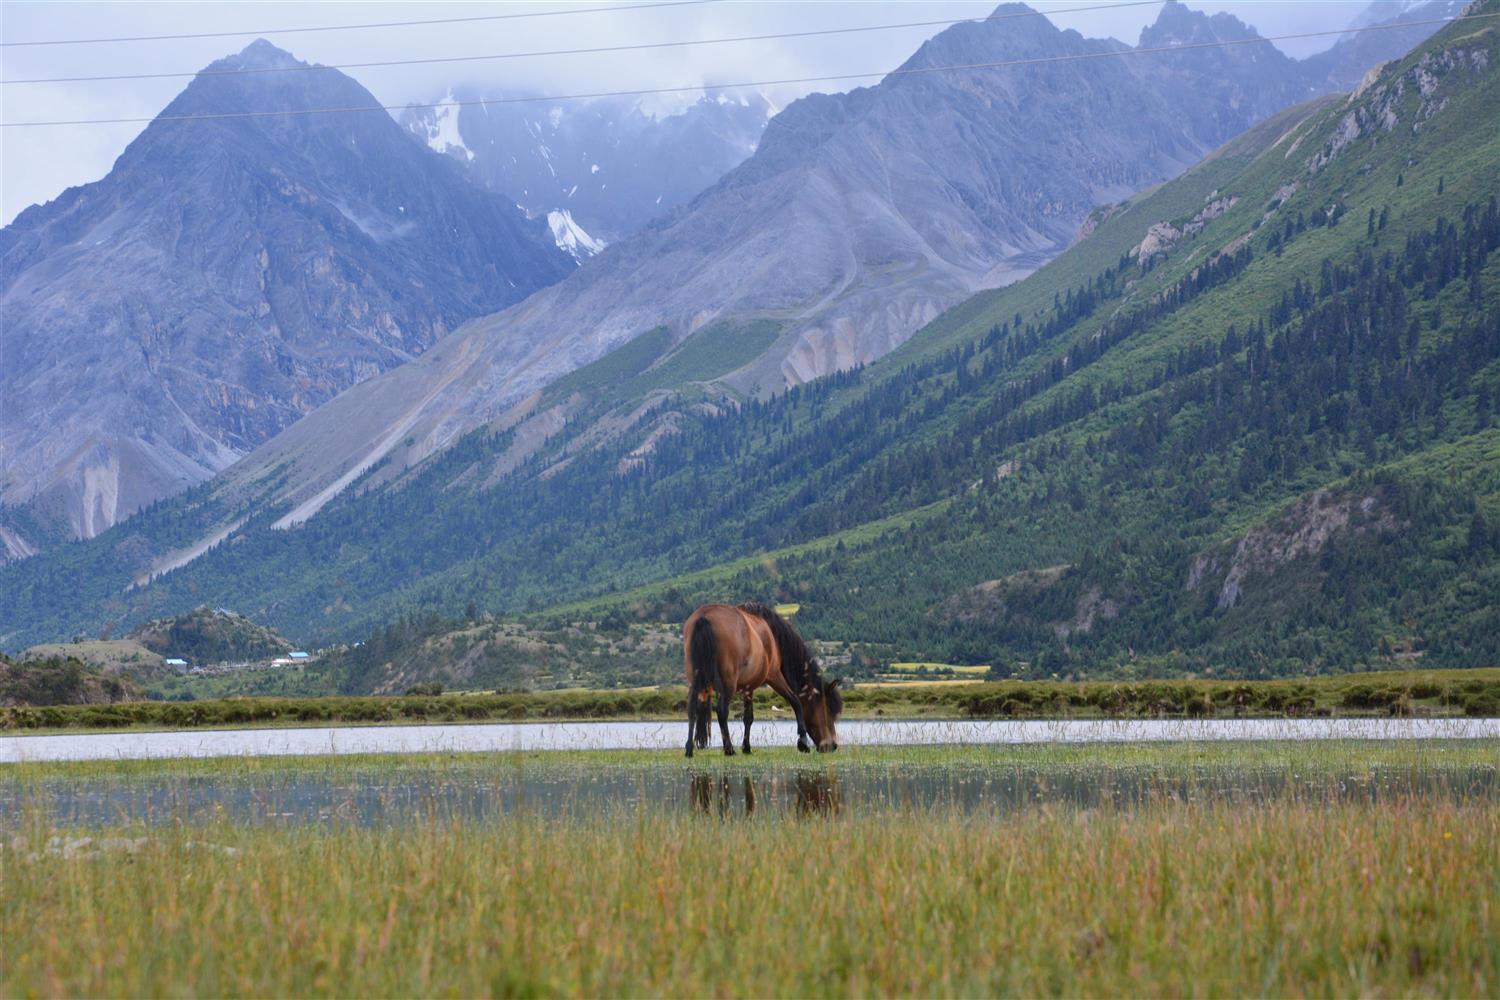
352 27
641 92
590 51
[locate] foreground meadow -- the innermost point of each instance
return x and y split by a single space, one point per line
775 877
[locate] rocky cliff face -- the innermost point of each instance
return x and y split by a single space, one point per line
224 279
602 167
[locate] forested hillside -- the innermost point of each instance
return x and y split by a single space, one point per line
1246 425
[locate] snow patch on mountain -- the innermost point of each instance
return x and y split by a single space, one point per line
572 237
442 129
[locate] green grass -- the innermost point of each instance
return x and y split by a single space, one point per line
650 361
712 352
621 364
1297 894
113 654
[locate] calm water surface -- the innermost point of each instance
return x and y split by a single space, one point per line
666 736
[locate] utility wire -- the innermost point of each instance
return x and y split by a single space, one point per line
484 102
351 27
592 51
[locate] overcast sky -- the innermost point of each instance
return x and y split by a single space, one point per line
38 163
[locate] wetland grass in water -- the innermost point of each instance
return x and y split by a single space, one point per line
1337 869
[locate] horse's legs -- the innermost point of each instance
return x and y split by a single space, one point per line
749 718
692 718
704 710
723 708
779 685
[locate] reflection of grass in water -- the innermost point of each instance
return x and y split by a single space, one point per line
1307 756
1283 897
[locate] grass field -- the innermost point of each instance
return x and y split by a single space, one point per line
1305 892
1393 693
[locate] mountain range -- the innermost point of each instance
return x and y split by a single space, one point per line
861 217
227 277
203 333
525 451
1245 421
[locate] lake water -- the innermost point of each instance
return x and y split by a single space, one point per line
471 791
670 736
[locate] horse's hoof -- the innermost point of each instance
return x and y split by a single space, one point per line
744 749
729 751
689 753
804 748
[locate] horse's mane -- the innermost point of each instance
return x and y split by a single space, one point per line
797 663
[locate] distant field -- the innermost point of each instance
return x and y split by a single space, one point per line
1391 693
953 668
886 682
110 653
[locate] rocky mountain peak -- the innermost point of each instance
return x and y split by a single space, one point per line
1179 24
259 55
225 278
1011 31
262 77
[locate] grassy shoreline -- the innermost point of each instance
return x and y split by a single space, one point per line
1473 693
1294 890
1289 897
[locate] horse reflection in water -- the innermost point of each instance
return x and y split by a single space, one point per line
713 793
817 795
811 794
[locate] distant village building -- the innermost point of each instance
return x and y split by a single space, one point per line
299 655
176 663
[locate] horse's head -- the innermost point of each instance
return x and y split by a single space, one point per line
821 705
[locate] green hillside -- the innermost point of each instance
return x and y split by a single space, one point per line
1248 424
210 635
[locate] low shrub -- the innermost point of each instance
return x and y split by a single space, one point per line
1483 705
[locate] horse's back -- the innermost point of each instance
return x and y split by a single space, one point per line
729 631
745 645
726 619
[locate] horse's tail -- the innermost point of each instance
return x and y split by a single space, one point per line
797 664
703 651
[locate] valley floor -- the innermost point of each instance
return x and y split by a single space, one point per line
1401 694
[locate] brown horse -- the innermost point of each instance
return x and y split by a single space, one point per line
730 650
